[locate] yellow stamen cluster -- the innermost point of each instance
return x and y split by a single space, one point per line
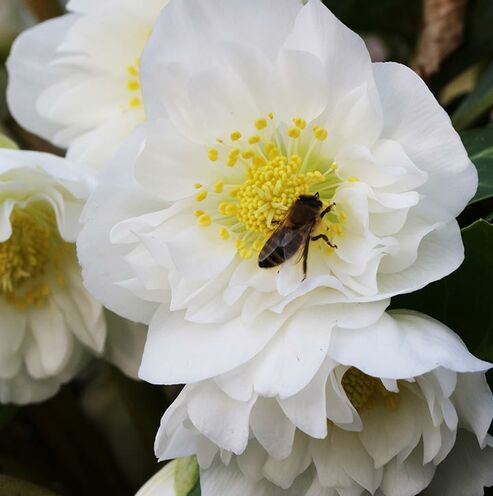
363 391
25 256
133 84
269 191
260 176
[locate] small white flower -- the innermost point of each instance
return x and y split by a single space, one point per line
243 118
74 80
48 319
390 405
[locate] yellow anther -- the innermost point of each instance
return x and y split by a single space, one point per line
135 102
269 147
224 233
271 115
133 85
230 209
133 71
213 154
261 123
198 213
248 154
363 390
201 195
234 192
252 140
320 133
299 122
205 220
259 161
33 248
222 207
197 185
239 244
332 166
296 160
235 136
218 187
294 132
352 179
245 253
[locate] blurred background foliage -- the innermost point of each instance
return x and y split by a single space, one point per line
96 436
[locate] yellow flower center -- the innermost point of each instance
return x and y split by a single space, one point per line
260 176
363 391
24 258
133 85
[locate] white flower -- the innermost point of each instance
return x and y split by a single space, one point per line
48 320
74 80
390 405
243 117
162 483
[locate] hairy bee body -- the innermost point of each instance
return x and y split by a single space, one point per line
294 233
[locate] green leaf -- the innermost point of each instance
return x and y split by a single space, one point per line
479 146
6 142
477 103
463 300
186 475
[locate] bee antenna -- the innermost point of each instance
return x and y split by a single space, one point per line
317 195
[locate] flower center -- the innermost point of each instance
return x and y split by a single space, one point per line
133 85
261 176
363 391
24 258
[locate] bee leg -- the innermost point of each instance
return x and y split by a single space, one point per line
305 257
325 211
325 238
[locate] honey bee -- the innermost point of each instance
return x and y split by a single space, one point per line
295 233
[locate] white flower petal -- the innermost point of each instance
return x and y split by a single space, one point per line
423 344
301 86
284 472
219 479
192 29
31 53
474 404
174 351
109 204
414 118
272 428
408 478
52 344
220 419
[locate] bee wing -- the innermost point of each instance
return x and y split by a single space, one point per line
283 244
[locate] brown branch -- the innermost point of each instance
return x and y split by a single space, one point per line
443 28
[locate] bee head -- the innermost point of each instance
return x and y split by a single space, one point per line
311 200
